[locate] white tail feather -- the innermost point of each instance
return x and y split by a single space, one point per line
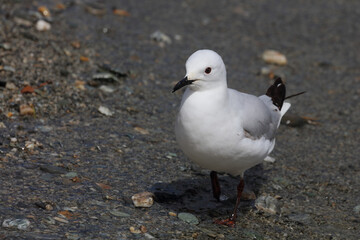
285 108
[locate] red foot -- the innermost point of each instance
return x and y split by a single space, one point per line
228 222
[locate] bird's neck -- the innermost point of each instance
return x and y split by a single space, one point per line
209 98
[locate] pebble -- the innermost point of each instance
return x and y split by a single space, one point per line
72 236
2 125
44 129
106 89
211 234
42 25
141 130
357 209
29 145
21 224
119 214
144 199
62 220
45 205
105 111
71 175
161 38
10 86
172 214
5 46
105 77
148 236
26 110
274 57
44 11
50 220
267 204
188 218
304 219
293 120
134 230
53 169
269 159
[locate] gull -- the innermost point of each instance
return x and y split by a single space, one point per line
222 129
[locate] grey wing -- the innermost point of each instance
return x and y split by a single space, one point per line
258 117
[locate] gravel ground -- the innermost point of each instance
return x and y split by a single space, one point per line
68 170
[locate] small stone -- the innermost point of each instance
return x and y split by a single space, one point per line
121 12
11 86
265 71
357 209
293 120
42 25
8 68
172 214
21 224
50 220
29 145
53 169
106 89
144 199
44 129
195 235
304 219
71 175
143 229
84 59
72 236
188 218
45 205
106 77
49 207
248 195
134 230
161 38
141 130
13 140
22 22
105 111
208 232
44 11
267 204
80 85
274 57
269 159
26 110
148 236
62 220
5 46
2 125
119 214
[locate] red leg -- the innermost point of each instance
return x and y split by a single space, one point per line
232 219
215 185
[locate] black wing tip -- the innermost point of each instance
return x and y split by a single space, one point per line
277 92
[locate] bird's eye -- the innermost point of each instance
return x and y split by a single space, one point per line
208 70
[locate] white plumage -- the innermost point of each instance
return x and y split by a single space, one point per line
219 128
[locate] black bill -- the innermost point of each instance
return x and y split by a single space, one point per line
182 83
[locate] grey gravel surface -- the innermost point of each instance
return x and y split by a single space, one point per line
69 170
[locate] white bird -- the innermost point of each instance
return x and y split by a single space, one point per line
222 129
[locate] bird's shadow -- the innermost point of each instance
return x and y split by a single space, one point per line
195 195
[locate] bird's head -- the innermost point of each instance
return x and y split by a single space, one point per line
205 69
